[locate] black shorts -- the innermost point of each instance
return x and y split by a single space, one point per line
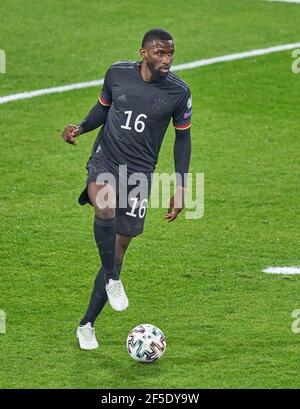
131 209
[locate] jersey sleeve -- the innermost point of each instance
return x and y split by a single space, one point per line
105 97
183 112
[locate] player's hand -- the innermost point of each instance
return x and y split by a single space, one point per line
70 133
176 204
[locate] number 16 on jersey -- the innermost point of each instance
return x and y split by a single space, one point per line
139 125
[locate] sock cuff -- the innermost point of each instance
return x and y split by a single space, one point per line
104 222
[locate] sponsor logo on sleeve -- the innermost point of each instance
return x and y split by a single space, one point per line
188 113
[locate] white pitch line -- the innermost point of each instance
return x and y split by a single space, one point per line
180 67
282 270
286 1
45 91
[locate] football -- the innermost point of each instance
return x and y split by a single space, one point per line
146 343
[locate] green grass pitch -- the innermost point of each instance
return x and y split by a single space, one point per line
227 324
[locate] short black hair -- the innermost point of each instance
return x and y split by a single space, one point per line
156 34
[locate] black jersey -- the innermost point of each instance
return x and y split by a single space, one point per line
139 115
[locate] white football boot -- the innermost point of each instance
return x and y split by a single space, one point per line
86 337
116 295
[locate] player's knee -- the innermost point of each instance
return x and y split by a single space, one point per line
106 213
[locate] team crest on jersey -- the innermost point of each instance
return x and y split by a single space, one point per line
122 98
159 107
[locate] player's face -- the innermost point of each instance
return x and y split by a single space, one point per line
158 56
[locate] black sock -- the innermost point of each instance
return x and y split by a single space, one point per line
98 297
105 237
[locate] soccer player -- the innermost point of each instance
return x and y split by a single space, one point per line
135 106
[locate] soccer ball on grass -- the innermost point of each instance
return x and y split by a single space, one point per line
146 343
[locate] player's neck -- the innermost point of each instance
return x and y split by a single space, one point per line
145 72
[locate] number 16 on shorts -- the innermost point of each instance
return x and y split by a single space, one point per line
137 211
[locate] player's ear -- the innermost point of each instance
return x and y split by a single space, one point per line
143 53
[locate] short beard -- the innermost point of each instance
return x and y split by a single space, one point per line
157 75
